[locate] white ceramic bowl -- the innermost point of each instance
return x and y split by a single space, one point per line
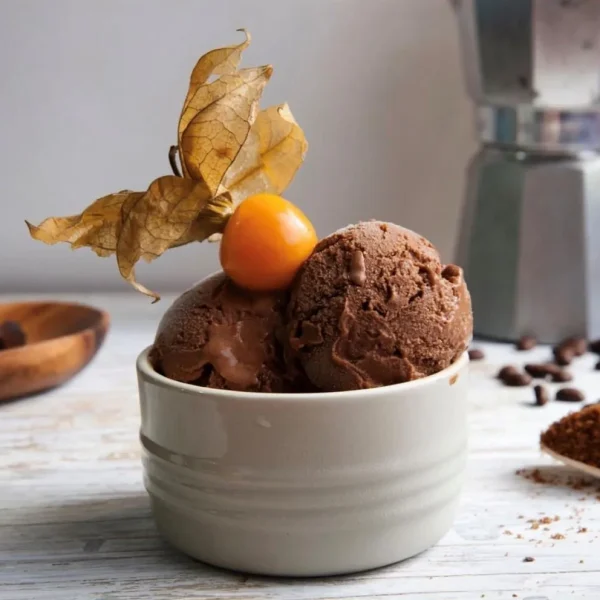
304 484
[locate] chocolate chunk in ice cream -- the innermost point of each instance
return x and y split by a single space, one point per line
358 275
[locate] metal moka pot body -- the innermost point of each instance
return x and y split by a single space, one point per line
533 190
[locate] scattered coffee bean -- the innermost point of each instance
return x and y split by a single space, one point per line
511 376
528 559
11 335
476 354
570 395
516 379
553 369
547 370
541 395
562 376
594 347
563 355
526 342
579 345
508 370
537 371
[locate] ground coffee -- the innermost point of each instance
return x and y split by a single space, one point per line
576 436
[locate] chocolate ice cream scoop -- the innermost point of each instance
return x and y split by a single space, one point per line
218 335
374 306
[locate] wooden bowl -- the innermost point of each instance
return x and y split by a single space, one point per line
62 338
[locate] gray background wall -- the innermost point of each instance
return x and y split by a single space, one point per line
91 92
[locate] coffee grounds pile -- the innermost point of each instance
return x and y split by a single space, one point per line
576 436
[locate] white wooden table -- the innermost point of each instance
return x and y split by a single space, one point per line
75 522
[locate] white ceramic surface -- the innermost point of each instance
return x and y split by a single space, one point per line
305 484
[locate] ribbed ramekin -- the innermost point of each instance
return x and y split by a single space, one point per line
304 484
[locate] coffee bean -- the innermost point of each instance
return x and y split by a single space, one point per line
516 379
529 559
526 342
594 347
537 371
570 395
544 371
563 355
511 376
579 345
552 369
508 370
562 376
476 354
541 395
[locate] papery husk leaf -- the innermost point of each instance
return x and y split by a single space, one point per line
227 149
211 221
161 219
142 225
223 114
97 227
221 61
274 151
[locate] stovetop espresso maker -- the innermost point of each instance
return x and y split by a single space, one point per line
530 233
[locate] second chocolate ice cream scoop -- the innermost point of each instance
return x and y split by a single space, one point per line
375 306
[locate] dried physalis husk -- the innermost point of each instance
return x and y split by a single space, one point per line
269 159
224 112
163 217
97 227
222 61
228 150
141 225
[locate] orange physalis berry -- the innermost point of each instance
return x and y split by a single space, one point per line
265 242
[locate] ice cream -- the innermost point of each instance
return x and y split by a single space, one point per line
371 306
220 336
374 306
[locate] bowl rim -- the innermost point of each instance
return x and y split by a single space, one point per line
146 370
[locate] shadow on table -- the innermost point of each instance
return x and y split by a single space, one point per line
81 531
113 543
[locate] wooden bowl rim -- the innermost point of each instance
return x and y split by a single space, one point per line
103 318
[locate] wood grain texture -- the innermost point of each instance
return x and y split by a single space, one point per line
75 522
62 338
